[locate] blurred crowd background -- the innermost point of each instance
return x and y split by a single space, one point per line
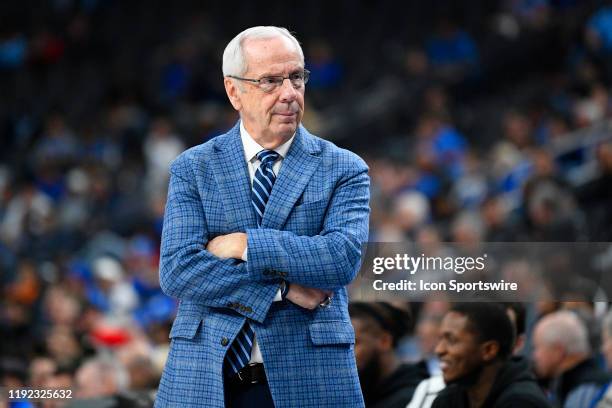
480 121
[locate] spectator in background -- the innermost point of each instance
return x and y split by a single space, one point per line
161 146
41 370
410 213
13 373
13 50
595 196
58 143
599 31
102 382
509 153
440 145
605 398
550 212
63 345
111 292
561 352
385 381
580 295
61 379
496 219
475 347
471 187
427 331
518 316
28 214
592 108
467 229
428 389
606 339
100 377
325 69
452 52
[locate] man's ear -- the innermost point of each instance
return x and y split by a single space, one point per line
233 93
489 350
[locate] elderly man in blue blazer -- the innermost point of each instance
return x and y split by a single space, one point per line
262 232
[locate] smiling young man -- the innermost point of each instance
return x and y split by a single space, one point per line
475 346
262 232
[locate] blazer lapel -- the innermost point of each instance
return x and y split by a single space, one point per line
297 168
232 177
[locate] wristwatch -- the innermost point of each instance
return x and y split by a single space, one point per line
326 302
284 288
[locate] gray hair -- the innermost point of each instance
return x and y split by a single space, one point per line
234 61
567 329
108 371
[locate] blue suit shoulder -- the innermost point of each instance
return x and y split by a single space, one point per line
192 160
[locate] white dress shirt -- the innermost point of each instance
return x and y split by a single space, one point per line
251 148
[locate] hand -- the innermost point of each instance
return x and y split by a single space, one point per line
228 246
308 298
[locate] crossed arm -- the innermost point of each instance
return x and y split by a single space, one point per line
233 245
195 268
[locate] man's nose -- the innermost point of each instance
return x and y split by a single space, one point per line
288 92
439 349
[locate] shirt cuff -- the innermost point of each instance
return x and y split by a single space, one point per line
244 254
278 296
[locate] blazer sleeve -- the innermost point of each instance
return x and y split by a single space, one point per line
188 272
329 260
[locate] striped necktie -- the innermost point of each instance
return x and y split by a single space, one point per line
263 182
239 354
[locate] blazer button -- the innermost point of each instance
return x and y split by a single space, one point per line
224 341
248 309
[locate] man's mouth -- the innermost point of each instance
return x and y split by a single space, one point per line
444 365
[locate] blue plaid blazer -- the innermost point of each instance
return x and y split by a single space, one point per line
314 225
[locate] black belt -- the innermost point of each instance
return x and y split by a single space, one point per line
253 373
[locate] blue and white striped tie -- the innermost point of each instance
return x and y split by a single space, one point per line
239 354
263 182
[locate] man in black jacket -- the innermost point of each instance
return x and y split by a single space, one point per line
474 350
385 381
561 353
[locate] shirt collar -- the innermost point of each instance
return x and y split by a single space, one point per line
251 147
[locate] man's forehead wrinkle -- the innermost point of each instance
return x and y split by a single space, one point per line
267 52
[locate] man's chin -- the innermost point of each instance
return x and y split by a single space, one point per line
465 380
286 129
448 379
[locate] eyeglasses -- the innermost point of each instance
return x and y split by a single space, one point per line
270 83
